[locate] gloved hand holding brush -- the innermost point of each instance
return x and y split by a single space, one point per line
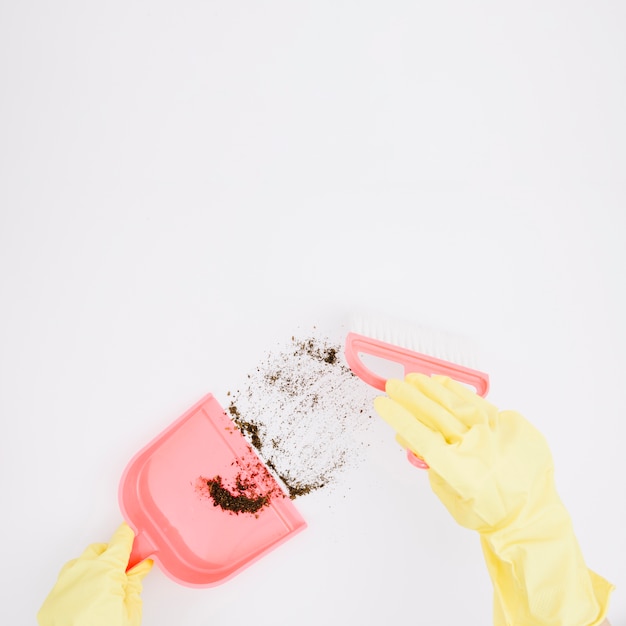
494 472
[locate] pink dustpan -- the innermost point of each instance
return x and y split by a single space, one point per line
201 502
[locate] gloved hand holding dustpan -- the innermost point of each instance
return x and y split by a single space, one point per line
95 589
198 501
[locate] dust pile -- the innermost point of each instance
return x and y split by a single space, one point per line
248 491
304 412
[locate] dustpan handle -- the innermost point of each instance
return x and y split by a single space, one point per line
142 549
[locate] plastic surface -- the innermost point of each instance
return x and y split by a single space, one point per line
176 522
411 361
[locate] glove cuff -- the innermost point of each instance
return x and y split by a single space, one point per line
539 575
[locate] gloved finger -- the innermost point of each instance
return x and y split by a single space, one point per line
462 406
403 442
118 551
467 395
426 410
412 433
140 571
93 551
67 567
133 588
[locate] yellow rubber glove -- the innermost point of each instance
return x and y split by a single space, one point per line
95 590
494 472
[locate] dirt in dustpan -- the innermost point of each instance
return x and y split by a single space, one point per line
246 492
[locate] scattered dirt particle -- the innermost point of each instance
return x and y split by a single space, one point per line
302 408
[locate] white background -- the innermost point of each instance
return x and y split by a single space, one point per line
182 184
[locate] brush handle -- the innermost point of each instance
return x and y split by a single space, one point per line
411 361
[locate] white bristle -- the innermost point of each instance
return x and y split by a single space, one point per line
437 343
